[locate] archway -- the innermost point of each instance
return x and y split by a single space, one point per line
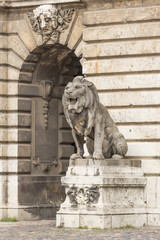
43 77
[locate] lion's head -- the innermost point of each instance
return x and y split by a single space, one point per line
80 102
78 95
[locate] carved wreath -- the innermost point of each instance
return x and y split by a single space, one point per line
83 195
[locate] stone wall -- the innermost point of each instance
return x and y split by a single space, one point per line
120 54
122 59
29 188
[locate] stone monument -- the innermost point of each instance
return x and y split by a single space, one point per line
104 189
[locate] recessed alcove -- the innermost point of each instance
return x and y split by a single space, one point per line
44 74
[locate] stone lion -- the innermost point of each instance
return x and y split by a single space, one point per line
89 118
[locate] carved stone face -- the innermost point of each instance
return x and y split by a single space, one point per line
49 21
45 24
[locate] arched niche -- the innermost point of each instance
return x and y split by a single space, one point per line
51 139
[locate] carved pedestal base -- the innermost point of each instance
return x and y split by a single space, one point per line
103 193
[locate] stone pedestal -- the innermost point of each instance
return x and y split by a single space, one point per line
103 194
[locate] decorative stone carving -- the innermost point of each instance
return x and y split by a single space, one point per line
47 87
49 21
44 166
89 118
83 195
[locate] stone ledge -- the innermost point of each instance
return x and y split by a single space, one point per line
103 181
105 162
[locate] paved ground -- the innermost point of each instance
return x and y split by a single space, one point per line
46 230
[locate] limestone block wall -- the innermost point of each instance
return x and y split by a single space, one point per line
122 58
22 186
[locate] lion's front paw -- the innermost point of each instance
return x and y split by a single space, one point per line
97 155
117 157
75 156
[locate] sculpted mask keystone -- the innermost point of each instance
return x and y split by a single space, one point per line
89 118
50 21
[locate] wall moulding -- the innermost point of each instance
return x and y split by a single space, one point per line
21 4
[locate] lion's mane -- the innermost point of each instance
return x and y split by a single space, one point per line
80 101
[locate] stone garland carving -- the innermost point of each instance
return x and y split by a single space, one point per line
83 195
89 118
44 166
46 113
49 21
47 87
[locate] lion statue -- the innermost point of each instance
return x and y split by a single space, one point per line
89 118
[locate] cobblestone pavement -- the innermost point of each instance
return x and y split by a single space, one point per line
46 230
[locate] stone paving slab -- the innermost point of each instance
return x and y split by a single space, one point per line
46 230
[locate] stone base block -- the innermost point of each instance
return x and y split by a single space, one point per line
100 221
103 194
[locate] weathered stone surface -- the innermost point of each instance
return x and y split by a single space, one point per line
129 82
25 77
12 195
8 150
135 115
130 31
28 67
24 120
65 151
63 38
121 15
9 135
153 219
18 3
100 195
16 44
130 98
8 88
24 104
124 65
152 192
10 119
143 149
23 29
134 220
24 150
158 192
24 166
29 90
62 122
76 33
78 50
9 73
39 185
122 53
151 166
24 136
65 136
118 49
141 132
10 104
8 166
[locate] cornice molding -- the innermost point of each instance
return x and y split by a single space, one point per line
30 3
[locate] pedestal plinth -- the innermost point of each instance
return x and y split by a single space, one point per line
103 194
